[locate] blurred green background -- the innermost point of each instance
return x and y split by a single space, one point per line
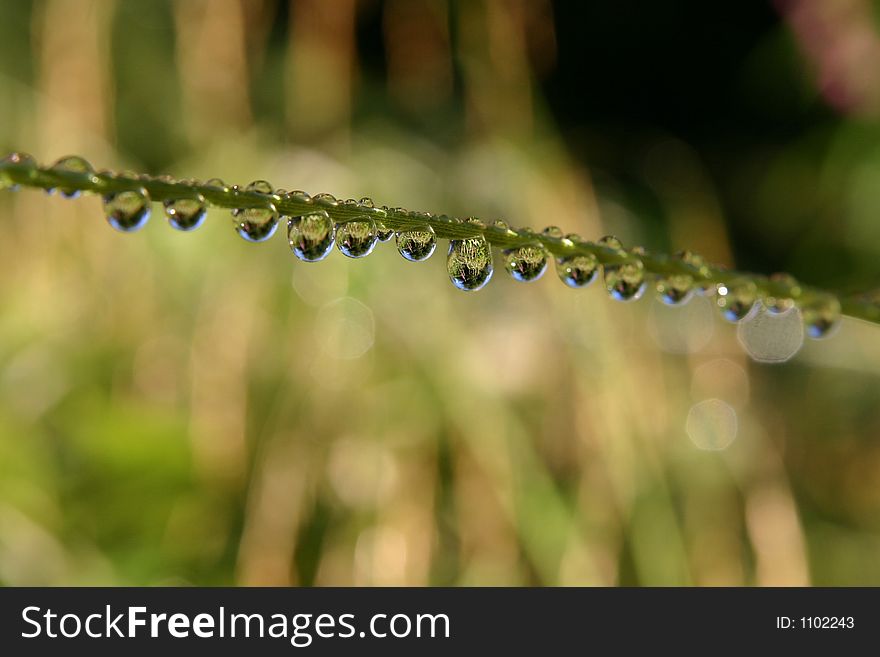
192 409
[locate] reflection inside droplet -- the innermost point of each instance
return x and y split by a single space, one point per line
711 424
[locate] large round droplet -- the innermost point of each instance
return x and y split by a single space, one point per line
626 281
577 270
127 211
357 238
469 263
526 263
736 299
416 245
72 164
256 224
821 316
186 213
786 289
311 235
675 290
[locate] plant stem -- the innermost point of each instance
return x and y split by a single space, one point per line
27 173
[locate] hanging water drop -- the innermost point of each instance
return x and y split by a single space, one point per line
256 224
526 263
357 238
737 298
577 270
383 233
416 245
469 263
71 164
127 211
311 235
701 271
783 301
186 213
625 281
821 316
675 290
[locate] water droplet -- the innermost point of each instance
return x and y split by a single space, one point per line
781 303
325 199
736 299
626 281
675 290
73 164
610 242
357 238
577 270
127 211
821 316
383 233
552 231
476 222
217 184
299 195
416 245
260 186
256 224
526 263
186 213
701 271
311 235
469 263
500 224
367 202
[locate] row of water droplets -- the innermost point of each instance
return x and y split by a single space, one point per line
312 235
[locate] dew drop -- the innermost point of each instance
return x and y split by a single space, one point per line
311 235
72 164
217 184
416 245
383 233
256 224
260 186
696 262
610 242
821 316
469 263
325 199
675 290
552 231
127 211
357 238
526 263
577 270
367 202
779 304
626 281
299 195
186 213
736 299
